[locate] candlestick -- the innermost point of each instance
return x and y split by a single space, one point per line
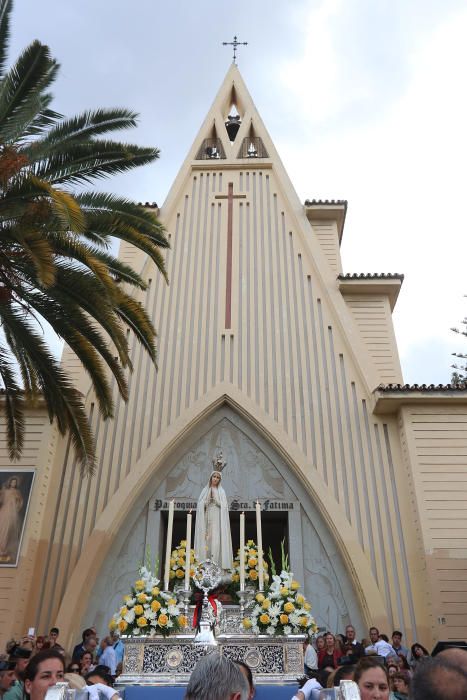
168 545
242 551
259 537
188 551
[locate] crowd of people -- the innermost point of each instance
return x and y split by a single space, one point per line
30 666
383 669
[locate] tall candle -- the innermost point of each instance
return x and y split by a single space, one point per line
259 537
168 545
188 551
242 551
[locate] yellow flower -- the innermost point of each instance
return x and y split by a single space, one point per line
192 558
266 577
182 620
283 619
266 604
139 585
264 619
284 591
295 585
253 574
192 572
173 561
174 554
171 601
155 591
141 597
300 599
181 552
126 598
180 561
155 605
252 552
307 606
250 542
235 578
123 611
123 625
183 543
139 609
162 620
252 561
289 607
171 574
141 622
303 621
265 565
259 597
247 623
179 573
236 564
112 625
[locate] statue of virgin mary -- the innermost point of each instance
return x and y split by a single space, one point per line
213 539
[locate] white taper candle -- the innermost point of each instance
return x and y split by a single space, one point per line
168 545
259 537
242 551
188 551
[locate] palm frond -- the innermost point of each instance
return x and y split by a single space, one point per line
5 12
13 406
88 125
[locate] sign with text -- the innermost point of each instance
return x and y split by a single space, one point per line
235 504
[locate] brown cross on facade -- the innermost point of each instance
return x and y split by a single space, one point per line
228 274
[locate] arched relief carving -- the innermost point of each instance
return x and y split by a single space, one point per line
254 470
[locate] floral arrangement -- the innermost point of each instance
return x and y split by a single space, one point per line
178 563
282 610
251 566
147 610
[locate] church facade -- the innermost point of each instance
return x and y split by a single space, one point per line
269 352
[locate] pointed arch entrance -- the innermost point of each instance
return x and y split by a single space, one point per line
254 470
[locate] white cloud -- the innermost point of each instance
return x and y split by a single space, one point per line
402 169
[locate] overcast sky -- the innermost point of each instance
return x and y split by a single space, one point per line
365 100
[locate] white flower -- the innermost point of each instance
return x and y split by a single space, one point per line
130 617
287 629
270 630
173 610
163 611
136 630
129 603
170 623
255 629
151 615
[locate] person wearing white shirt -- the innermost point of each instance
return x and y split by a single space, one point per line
310 658
108 656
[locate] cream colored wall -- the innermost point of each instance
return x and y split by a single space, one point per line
372 314
434 440
327 234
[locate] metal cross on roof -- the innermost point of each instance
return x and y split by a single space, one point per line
235 43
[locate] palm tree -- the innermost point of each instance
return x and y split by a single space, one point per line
55 262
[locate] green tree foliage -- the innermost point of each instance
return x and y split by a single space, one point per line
55 237
459 376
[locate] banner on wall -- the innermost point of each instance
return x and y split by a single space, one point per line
15 494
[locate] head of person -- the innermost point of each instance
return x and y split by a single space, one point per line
7 675
105 642
115 636
344 673
217 678
215 479
12 483
437 679
44 670
40 641
418 651
374 634
401 682
340 641
53 634
20 657
329 640
88 632
73 667
246 670
455 656
85 660
91 644
350 633
384 638
372 679
320 643
392 667
396 639
99 675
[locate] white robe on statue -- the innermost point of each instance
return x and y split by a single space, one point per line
212 531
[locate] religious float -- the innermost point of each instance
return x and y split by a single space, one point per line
263 619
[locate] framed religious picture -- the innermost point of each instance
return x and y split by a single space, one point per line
15 494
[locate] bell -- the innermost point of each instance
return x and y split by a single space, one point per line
232 125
